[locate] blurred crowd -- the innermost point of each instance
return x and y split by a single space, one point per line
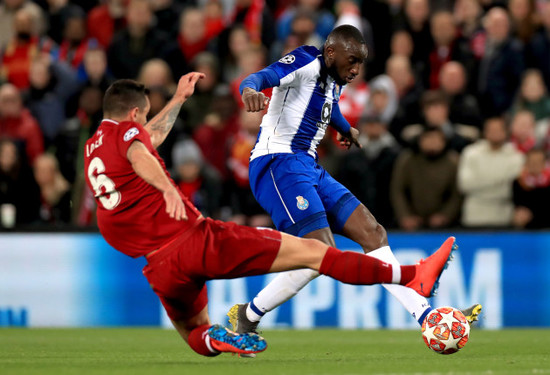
452 103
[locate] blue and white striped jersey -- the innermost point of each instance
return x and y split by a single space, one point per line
304 102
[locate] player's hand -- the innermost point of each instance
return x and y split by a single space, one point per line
174 204
253 100
186 85
351 138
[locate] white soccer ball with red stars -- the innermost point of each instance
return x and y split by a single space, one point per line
445 330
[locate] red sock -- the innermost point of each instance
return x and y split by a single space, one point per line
360 269
199 341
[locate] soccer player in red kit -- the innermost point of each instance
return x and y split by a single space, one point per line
141 212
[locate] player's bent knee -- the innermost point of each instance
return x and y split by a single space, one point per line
375 237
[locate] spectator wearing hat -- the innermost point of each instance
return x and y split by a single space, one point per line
197 180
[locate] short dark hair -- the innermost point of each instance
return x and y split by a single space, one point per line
433 97
123 95
345 32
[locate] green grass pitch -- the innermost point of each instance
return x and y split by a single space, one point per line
136 351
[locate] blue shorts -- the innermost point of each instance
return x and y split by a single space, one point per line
299 194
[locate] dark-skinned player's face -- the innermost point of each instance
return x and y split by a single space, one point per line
344 59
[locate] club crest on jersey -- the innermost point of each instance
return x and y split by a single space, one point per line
302 203
131 133
288 59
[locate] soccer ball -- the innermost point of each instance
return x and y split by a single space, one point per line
445 330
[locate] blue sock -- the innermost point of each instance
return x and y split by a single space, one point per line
424 314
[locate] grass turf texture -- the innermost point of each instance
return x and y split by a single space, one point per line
155 351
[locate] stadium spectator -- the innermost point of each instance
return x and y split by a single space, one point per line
524 19
17 185
228 53
70 140
250 61
195 35
245 210
17 123
219 124
95 69
254 15
538 49
105 20
8 11
401 44
383 100
57 13
486 171
199 105
522 131
75 42
435 111
398 69
166 14
22 49
531 191
464 107
157 73
379 15
302 31
354 98
366 172
447 46
468 14
533 97
55 192
501 66
432 168
137 43
415 20
324 20
51 87
196 178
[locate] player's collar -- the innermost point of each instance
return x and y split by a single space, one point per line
108 120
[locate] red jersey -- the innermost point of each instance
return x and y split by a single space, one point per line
131 213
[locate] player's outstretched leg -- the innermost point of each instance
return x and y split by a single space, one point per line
471 313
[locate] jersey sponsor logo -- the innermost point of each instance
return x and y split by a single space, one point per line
325 116
288 59
131 133
302 203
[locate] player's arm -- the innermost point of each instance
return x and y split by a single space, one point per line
160 125
346 134
279 73
253 99
147 167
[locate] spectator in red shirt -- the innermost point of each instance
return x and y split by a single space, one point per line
75 41
195 33
105 19
17 123
26 45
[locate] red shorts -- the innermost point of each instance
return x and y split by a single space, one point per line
211 250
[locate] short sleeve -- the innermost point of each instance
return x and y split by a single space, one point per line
130 132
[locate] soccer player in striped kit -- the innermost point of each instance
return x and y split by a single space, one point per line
301 197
